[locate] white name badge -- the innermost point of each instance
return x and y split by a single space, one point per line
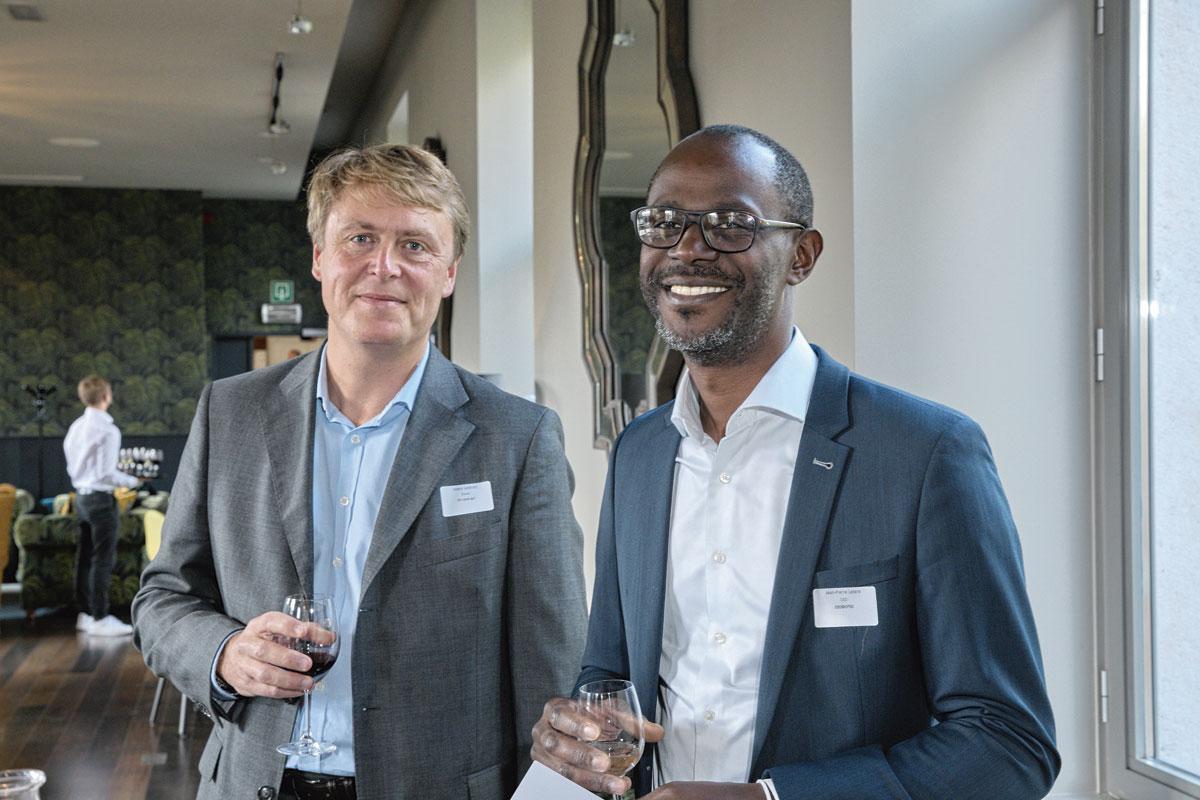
848 607
467 498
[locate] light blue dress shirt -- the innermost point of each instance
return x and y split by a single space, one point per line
351 465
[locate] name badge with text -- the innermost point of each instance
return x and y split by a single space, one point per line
467 498
847 607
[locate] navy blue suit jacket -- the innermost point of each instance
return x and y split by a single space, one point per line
945 697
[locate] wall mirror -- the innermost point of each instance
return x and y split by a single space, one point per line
636 101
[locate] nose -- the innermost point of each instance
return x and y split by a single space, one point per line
385 261
692 246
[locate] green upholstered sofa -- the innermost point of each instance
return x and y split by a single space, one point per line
47 548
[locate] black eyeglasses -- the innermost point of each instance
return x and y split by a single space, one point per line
723 231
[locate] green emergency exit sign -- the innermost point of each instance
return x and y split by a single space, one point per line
283 291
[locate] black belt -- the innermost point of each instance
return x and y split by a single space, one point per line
316 786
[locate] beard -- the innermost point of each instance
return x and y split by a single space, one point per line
734 337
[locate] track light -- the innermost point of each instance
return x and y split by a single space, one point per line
299 24
276 125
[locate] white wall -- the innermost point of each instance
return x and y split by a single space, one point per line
783 67
562 378
971 126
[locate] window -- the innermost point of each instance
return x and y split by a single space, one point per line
1148 398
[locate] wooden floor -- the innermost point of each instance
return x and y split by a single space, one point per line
77 708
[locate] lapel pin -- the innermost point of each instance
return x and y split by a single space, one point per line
823 464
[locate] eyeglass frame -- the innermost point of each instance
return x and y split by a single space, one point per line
695 217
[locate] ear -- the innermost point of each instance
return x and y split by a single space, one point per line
451 276
316 263
808 249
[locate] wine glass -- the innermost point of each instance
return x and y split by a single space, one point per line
317 610
613 706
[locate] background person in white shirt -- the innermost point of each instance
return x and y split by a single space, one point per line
91 447
812 580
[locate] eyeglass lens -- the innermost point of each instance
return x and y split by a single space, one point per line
725 231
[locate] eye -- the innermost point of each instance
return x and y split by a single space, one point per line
361 238
414 247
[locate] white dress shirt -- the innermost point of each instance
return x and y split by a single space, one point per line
727 512
92 445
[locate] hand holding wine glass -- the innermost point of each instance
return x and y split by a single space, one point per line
320 643
613 707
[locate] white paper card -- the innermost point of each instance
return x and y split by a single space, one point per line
847 607
467 498
543 783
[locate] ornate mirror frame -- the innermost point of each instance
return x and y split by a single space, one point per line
677 99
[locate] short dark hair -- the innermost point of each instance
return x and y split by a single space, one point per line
791 181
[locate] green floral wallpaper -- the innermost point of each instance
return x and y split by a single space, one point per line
105 281
114 282
247 244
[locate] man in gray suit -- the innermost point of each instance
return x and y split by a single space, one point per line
812 580
433 508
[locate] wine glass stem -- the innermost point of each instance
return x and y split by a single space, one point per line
308 737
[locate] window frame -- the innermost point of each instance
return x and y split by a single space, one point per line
1120 412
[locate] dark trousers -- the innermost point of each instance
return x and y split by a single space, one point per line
97 551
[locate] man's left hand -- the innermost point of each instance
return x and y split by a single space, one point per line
680 790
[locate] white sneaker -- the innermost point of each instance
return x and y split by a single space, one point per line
109 626
83 621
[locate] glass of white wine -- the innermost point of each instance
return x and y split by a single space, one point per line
613 705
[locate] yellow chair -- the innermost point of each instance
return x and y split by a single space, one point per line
64 503
125 497
152 523
8 501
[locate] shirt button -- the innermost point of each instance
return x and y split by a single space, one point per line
343 501
355 438
719 557
710 715
725 477
337 562
720 638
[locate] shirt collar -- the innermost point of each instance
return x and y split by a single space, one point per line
104 416
405 398
785 390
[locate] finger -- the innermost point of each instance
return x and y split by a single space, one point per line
276 623
653 731
312 632
271 681
564 715
269 652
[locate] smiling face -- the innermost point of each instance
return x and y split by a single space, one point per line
716 308
384 269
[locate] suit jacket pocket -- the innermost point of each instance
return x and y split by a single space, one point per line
210 758
885 569
464 536
486 784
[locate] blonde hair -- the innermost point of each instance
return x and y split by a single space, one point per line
405 174
93 389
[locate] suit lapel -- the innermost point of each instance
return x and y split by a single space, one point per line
435 433
818 472
642 553
287 418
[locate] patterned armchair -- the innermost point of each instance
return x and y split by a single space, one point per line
46 569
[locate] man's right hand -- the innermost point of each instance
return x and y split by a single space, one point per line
557 744
256 664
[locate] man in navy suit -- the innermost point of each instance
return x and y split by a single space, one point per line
812 580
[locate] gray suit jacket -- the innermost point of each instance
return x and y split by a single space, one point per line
467 623
944 699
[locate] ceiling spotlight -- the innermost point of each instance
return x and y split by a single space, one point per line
299 24
278 127
624 38
276 166
74 141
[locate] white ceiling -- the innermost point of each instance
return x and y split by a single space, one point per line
178 92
